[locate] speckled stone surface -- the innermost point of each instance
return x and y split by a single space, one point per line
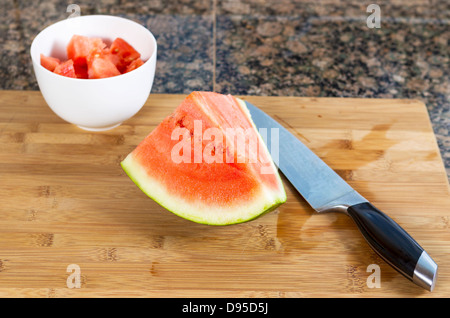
270 47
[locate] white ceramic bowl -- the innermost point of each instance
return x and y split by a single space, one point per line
95 104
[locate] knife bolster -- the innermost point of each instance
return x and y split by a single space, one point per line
342 203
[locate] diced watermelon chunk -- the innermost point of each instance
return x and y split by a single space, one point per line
81 71
80 46
134 65
66 69
100 66
50 63
122 54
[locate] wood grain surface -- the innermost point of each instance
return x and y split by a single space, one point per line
64 199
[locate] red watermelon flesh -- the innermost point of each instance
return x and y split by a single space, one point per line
81 46
134 65
122 54
100 66
66 69
50 63
233 188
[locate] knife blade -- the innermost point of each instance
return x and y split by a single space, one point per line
326 191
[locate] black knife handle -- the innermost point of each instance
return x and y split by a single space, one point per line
394 244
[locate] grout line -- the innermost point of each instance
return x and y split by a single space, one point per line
214 45
389 19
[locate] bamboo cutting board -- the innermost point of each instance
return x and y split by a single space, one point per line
65 201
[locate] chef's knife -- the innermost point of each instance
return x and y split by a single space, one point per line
326 191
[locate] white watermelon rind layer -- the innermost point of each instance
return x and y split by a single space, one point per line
242 211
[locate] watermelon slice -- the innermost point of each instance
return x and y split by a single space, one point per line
194 165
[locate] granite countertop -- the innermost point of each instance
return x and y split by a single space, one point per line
275 47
